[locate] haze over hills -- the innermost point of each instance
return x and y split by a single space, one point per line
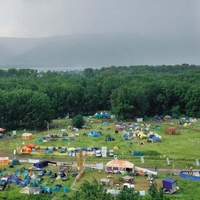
69 52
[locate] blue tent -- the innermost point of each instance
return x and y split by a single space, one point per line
104 123
16 180
65 189
56 188
95 134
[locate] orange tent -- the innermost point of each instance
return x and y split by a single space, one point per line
26 150
4 161
30 145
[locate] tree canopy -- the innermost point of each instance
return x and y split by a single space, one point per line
31 99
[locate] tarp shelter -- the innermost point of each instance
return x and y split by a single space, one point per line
44 163
27 136
26 190
169 185
41 164
4 161
119 166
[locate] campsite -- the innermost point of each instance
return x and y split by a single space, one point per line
166 152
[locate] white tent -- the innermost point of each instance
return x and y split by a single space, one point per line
26 190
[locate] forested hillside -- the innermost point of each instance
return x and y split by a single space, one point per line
31 99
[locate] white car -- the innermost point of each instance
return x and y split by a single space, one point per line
128 185
98 153
111 153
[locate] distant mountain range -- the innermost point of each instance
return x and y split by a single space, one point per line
95 51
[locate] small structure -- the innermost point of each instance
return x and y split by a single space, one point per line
27 136
66 167
169 185
106 182
4 161
121 166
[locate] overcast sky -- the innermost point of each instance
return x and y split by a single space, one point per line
154 18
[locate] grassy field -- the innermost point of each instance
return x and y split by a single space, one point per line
182 149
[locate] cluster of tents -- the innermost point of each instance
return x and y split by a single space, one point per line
29 181
136 131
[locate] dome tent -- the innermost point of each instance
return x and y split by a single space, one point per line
15 161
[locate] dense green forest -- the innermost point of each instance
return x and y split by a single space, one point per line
31 99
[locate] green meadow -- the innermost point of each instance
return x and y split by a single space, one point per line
182 149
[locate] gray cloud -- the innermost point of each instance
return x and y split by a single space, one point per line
153 18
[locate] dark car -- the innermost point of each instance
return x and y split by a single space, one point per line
41 173
53 175
48 172
74 174
61 173
65 178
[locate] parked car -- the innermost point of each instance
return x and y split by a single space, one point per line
48 172
128 185
65 178
111 153
61 173
74 174
41 172
53 175
98 153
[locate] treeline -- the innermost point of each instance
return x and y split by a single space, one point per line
31 99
